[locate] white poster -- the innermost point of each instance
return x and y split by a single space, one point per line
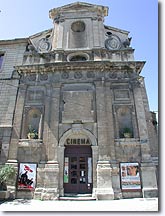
130 177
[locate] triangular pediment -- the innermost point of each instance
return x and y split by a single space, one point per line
78 6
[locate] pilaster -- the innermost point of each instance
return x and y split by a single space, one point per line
149 181
142 125
104 189
103 143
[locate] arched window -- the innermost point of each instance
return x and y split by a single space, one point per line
78 37
78 58
125 122
33 123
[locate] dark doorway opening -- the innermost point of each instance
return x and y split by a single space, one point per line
78 169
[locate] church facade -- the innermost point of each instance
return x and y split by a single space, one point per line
74 114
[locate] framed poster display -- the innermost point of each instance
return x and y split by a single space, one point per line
130 176
27 176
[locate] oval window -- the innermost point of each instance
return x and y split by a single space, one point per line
78 26
78 58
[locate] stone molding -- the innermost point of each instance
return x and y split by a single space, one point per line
76 130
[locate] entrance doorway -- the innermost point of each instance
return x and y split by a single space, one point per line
78 169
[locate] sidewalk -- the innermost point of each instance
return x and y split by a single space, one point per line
136 204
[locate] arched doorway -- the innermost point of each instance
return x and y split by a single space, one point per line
78 169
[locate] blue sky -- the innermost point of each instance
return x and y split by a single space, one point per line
22 18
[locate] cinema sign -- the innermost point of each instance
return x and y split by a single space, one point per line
78 141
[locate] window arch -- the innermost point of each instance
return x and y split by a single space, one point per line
79 56
78 35
33 123
125 121
78 26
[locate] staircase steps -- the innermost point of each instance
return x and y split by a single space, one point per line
77 197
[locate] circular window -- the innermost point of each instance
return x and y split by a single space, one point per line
78 26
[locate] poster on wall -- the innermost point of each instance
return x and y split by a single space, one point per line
130 177
66 164
27 176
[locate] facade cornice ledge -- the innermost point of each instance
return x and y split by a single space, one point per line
116 29
131 66
78 6
13 41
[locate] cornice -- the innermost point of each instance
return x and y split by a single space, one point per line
14 41
130 66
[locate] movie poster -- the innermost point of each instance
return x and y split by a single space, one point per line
27 176
130 177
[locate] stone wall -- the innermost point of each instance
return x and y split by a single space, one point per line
13 54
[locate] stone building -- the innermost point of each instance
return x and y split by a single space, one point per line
68 95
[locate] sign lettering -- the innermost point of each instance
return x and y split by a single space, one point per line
78 141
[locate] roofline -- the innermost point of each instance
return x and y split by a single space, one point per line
16 40
55 11
117 29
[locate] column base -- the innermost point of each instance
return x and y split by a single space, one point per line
104 194
150 192
46 194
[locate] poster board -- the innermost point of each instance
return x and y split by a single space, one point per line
130 176
27 176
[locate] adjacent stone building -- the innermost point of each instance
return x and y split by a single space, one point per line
68 95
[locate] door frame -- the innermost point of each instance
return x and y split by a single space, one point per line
74 155
75 130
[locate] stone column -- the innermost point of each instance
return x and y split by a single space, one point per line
142 124
104 178
54 121
116 181
61 169
104 181
102 123
58 36
95 31
148 171
94 159
50 136
110 121
48 189
149 181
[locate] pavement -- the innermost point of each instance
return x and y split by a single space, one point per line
122 205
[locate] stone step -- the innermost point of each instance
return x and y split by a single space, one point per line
77 197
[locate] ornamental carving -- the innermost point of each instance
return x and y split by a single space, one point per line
78 75
44 77
113 42
32 77
90 74
65 75
44 45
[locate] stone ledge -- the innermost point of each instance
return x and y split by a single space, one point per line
30 143
127 142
